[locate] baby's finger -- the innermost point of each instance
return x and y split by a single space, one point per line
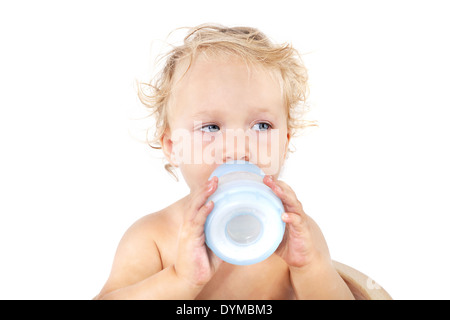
198 198
293 219
204 192
285 193
200 218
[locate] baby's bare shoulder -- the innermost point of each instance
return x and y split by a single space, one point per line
158 228
153 226
138 253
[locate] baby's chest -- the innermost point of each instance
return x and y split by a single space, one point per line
269 281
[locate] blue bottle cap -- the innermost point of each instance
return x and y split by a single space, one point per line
236 166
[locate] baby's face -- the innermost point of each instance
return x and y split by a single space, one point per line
223 109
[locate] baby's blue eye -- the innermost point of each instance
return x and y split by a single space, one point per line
262 126
210 128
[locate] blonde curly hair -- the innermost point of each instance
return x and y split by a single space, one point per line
248 43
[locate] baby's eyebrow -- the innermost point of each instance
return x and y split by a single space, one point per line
208 112
221 113
264 114
264 111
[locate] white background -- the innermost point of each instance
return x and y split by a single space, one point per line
73 175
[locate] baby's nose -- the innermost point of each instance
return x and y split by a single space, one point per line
244 157
236 146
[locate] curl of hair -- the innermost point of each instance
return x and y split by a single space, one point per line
245 42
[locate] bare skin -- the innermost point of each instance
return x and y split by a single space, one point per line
164 255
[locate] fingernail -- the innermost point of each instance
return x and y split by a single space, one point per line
213 179
211 185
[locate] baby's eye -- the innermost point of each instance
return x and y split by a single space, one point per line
262 126
210 128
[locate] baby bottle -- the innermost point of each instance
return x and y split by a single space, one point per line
245 225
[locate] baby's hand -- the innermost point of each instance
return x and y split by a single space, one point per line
303 243
196 263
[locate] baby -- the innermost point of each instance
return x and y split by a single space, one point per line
222 85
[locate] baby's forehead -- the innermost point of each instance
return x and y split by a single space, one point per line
212 64
241 91
210 57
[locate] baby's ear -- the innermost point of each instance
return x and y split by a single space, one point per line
286 147
167 147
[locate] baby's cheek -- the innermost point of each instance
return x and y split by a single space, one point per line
211 149
266 146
